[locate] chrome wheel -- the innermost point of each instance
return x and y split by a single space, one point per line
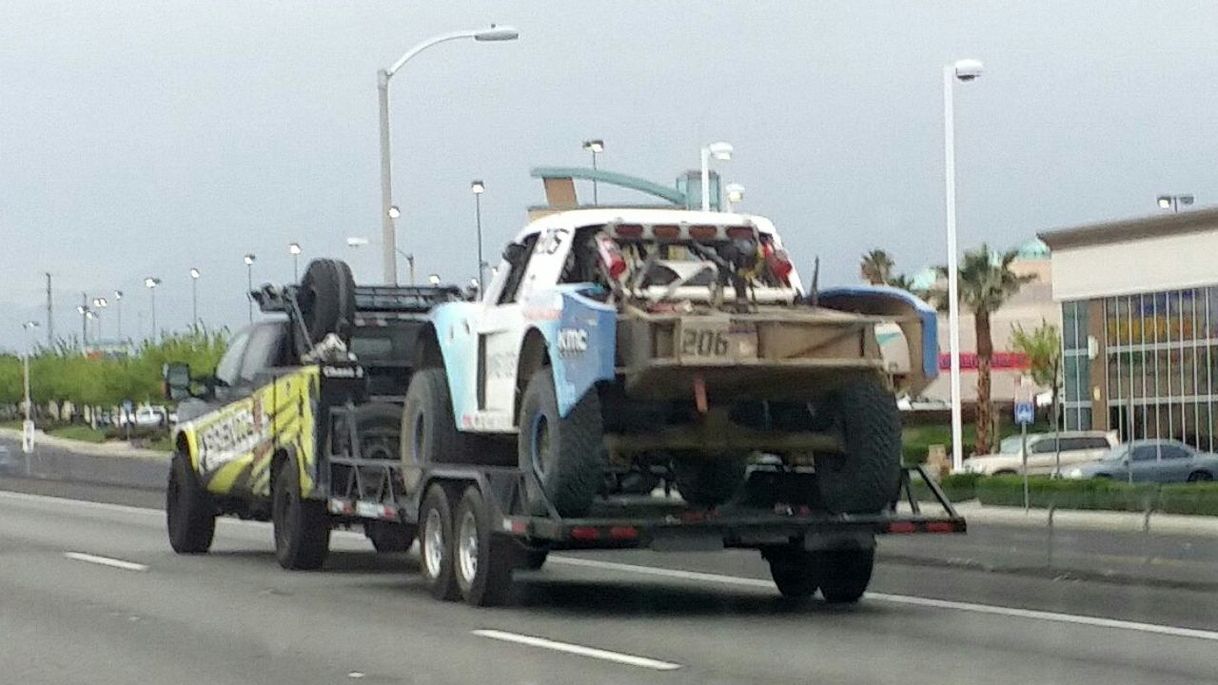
467 547
433 544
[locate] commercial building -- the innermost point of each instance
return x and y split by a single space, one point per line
1139 302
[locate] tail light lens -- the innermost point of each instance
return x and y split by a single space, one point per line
703 232
629 231
666 232
778 263
611 257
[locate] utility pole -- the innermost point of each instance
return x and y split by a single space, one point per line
50 313
84 321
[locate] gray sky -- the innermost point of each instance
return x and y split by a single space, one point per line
145 137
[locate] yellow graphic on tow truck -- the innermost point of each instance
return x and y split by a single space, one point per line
232 447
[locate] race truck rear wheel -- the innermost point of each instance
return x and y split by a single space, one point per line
867 477
301 525
843 574
708 481
435 545
327 298
429 432
190 516
794 571
565 454
483 557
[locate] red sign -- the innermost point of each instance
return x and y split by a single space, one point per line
1001 361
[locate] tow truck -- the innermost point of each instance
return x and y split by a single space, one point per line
424 410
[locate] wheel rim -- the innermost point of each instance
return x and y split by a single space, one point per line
468 549
433 548
541 443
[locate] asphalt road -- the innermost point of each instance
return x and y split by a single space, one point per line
134 611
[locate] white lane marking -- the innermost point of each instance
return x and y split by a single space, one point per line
1033 614
617 657
1054 616
106 561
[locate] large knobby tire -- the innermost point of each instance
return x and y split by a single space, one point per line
435 545
380 427
708 481
843 574
565 454
866 479
301 525
794 570
190 515
483 558
327 298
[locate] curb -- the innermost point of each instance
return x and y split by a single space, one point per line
1075 519
119 449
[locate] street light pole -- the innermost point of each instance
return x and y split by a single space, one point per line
294 250
249 283
388 232
596 147
118 311
721 151
194 298
151 282
965 70
478 188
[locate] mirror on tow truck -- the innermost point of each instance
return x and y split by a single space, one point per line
177 380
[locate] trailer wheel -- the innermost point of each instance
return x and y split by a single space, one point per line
190 516
435 545
301 525
865 479
482 556
389 538
327 298
708 481
794 571
565 454
843 574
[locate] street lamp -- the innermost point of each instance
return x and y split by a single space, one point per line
965 70
118 311
249 283
477 188
595 146
735 194
99 303
720 151
294 250
1173 202
434 279
151 283
388 236
83 310
194 297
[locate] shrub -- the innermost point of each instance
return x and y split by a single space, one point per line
1100 494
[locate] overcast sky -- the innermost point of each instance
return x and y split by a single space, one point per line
144 138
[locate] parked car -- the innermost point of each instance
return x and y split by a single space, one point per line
1152 461
145 416
1077 447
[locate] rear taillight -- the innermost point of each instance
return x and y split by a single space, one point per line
628 231
666 232
777 262
611 256
740 232
703 232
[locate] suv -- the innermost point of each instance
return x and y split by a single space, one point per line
1076 447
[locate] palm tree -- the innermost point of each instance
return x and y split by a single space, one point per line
903 282
876 267
986 282
1043 348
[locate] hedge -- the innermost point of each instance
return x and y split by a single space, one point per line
957 486
1100 494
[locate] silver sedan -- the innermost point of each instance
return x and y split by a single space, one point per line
1151 461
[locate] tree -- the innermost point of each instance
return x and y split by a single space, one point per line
1043 348
876 267
986 282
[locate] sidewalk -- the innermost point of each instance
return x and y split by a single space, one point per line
1074 519
103 449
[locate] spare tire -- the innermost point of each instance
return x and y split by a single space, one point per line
327 299
867 478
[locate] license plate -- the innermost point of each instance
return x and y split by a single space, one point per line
716 342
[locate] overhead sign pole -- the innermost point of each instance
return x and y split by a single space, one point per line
1024 414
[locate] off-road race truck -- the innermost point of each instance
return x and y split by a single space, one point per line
617 354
